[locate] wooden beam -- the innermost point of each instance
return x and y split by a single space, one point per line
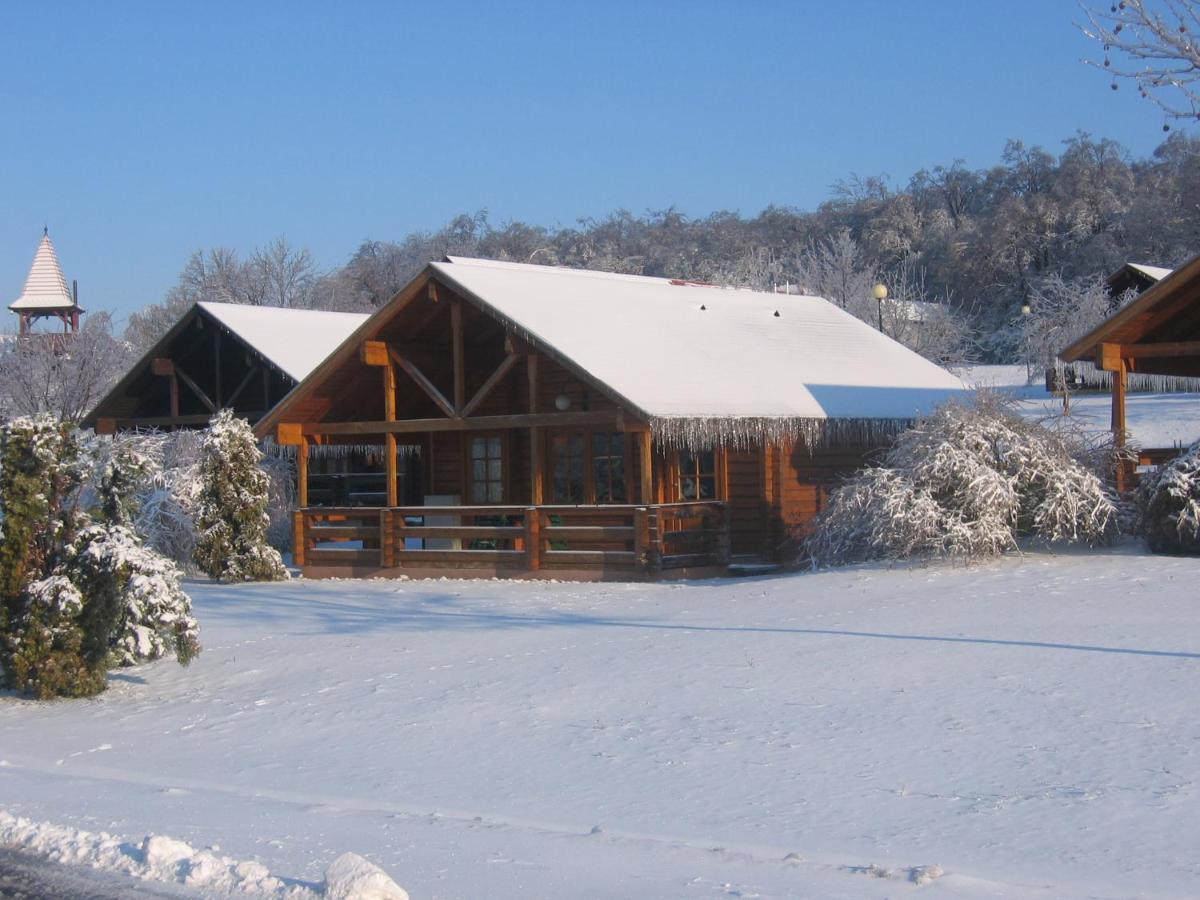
1118 422
477 423
165 367
289 434
531 372
433 291
237 391
196 389
423 383
647 467
1159 350
488 386
301 475
163 421
389 413
373 353
217 367
460 377
537 466
1109 359
537 440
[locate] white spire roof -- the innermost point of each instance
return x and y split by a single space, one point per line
45 288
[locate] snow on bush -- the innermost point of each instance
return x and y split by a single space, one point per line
79 591
1168 504
151 615
161 858
231 517
966 481
167 497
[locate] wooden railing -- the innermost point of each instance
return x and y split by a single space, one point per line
633 538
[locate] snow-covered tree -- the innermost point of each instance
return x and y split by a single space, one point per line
967 481
79 595
231 516
44 648
1169 505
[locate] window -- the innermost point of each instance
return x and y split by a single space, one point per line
487 469
697 479
566 468
608 466
587 467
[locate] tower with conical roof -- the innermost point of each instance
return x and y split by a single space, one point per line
46 295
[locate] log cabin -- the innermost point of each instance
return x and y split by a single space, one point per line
535 421
220 355
1157 334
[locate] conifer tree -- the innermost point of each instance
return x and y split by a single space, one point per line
76 595
231 512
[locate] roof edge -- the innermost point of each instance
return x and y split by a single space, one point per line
1087 345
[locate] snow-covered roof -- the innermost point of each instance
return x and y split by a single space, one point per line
46 287
677 350
295 340
1158 273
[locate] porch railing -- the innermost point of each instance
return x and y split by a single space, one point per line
633 538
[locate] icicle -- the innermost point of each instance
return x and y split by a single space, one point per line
689 433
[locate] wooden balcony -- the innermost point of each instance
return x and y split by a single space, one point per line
628 542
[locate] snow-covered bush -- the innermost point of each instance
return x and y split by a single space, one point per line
1168 503
966 481
79 595
139 589
231 517
281 497
167 498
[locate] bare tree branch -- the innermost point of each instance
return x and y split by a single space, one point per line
1159 40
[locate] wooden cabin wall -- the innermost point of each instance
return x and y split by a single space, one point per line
748 513
447 466
554 379
804 482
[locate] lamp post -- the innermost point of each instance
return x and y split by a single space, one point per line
879 292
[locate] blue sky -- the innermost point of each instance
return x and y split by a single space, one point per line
143 131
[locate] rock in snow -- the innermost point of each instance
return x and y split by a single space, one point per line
353 878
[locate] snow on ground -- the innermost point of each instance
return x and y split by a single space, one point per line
1021 728
1153 420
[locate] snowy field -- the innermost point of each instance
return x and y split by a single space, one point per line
1153 419
1029 726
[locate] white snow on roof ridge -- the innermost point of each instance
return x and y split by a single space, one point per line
295 340
679 352
1158 273
45 286
616 276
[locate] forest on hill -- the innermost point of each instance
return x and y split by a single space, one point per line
978 242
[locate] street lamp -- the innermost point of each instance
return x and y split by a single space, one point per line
879 292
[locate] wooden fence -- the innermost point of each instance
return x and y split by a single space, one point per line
516 539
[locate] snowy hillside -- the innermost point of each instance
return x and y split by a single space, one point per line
1028 726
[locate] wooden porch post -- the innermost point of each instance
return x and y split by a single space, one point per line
302 474
389 440
298 537
536 454
533 538
647 467
1118 422
460 380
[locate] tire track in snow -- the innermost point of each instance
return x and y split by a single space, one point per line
759 854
